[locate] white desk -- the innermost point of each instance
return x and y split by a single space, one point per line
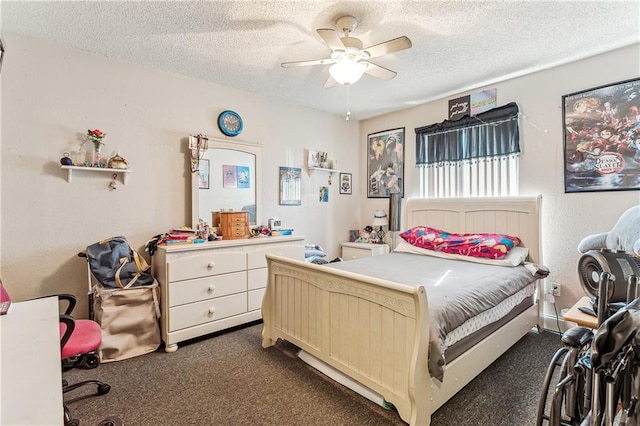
30 366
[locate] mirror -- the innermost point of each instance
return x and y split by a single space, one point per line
228 179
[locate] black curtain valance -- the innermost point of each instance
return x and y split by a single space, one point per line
490 134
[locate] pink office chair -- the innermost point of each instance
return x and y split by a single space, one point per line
79 340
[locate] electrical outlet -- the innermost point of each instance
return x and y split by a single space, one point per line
555 289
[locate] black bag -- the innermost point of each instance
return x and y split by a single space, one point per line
116 265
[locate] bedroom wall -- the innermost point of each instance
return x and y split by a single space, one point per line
567 218
51 95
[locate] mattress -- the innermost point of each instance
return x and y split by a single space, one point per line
463 297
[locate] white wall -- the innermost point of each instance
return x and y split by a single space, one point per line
567 218
51 95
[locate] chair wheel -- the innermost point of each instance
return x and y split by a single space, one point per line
68 421
92 361
104 389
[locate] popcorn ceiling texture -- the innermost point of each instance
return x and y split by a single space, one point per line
457 46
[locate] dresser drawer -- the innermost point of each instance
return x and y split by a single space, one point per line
257 278
255 299
256 258
237 219
205 265
350 253
236 231
206 311
189 291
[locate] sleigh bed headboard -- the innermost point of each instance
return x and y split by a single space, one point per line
516 216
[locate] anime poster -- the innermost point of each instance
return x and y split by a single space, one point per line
229 177
242 173
385 163
602 138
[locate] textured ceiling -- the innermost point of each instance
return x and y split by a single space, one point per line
457 45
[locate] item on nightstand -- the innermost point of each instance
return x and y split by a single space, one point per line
379 219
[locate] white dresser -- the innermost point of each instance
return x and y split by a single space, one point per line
351 251
215 285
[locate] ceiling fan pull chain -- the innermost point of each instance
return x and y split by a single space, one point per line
348 109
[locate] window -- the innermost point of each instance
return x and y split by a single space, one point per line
470 157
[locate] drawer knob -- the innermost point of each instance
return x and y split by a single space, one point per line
212 311
210 265
211 288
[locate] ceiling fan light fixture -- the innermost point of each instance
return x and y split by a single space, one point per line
347 71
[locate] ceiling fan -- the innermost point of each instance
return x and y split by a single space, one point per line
349 61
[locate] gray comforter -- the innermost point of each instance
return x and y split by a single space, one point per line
456 290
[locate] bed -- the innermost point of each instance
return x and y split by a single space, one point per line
375 332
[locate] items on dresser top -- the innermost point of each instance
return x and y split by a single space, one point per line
215 285
232 225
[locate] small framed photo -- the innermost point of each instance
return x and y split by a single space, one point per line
203 174
313 160
345 183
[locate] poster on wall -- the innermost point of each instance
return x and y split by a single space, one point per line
602 138
473 104
385 163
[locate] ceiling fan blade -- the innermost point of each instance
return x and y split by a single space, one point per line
306 63
332 38
329 83
379 72
388 46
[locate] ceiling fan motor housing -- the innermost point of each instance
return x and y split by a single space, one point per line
618 263
347 24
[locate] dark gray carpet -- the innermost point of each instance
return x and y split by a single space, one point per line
228 379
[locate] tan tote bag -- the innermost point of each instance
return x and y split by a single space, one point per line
129 320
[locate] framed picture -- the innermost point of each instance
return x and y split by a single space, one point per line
203 174
243 174
323 195
385 163
290 186
229 176
313 159
345 183
602 139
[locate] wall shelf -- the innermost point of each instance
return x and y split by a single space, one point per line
320 169
70 170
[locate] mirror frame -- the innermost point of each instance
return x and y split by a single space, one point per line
235 145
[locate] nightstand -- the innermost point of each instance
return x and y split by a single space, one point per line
352 251
580 318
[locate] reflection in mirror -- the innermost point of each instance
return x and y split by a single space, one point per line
228 180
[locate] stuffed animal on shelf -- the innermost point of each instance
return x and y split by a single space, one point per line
625 235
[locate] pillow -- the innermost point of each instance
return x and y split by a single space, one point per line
491 246
516 256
